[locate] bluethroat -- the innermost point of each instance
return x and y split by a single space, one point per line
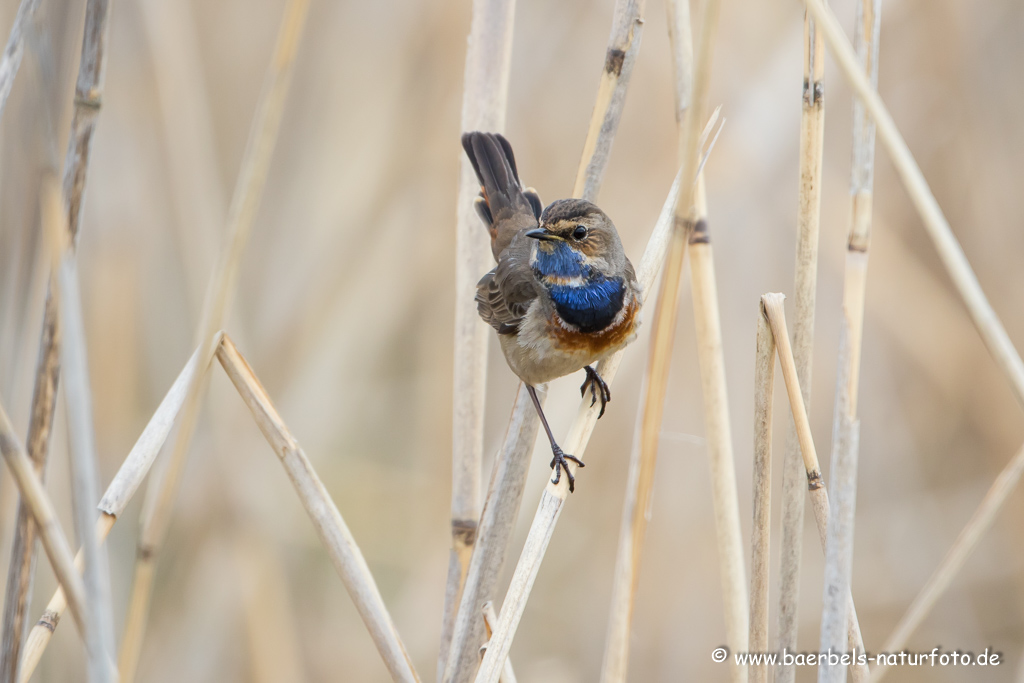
563 295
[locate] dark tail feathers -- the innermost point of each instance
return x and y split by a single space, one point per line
502 194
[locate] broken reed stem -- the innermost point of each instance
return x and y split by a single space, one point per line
50 533
490 619
773 308
120 491
85 476
463 638
812 128
955 557
862 172
719 434
88 91
835 633
334 533
484 102
760 538
623 46
550 506
950 252
14 50
252 178
497 521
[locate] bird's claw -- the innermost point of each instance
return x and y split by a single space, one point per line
558 463
598 389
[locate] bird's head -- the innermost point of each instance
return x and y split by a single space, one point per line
577 229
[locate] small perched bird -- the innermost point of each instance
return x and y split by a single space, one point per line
563 295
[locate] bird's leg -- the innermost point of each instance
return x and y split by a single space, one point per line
558 462
598 389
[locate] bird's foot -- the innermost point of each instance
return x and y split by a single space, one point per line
598 389
559 463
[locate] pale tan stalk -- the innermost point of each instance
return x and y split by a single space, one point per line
88 92
50 533
835 616
623 46
334 533
14 50
760 538
955 557
120 491
252 178
773 307
812 128
950 252
638 495
497 521
490 619
484 102
553 496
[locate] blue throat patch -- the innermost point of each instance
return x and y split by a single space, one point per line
590 306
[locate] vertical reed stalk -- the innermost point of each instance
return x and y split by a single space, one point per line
248 191
772 304
623 46
760 539
88 92
505 493
835 617
120 491
348 560
14 50
638 496
812 128
484 102
490 619
550 506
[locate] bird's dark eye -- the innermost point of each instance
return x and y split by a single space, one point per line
579 233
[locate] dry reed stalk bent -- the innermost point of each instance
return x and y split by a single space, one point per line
490 619
88 91
14 50
348 560
812 129
124 484
252 177
550 505
773 307
760 539
484 102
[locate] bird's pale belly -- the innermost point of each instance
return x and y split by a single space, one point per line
544 349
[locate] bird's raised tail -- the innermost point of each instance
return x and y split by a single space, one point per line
503 204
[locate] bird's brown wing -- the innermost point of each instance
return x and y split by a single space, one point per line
504 295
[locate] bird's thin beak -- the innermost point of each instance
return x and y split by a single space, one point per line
542 234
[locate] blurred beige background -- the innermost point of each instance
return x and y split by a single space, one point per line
345 307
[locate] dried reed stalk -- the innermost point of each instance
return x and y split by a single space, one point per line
252 178
120 491
484 101
333 532
950 252
505 493
497 521
623 46
760 538
812 129
835 616
955 557
48 527
553 496
773 308
84 474
88 91
14 50
636 507
490 619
